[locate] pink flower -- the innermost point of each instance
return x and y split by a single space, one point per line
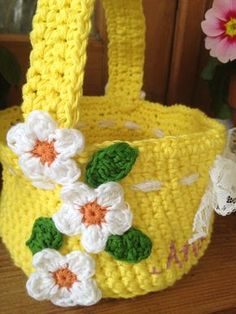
220 28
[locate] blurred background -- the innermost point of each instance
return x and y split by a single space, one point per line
16 16
175 54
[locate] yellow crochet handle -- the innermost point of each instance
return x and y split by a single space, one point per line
59 40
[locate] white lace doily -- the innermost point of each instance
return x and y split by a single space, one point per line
221 193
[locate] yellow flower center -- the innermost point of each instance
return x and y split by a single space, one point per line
230 27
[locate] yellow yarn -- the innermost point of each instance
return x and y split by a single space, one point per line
190 144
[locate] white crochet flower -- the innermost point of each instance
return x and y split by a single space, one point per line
65 280
95 214
45 151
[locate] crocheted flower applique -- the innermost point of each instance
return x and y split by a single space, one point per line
64 280
94 213
45 151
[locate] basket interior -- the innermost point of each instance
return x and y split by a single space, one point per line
103 119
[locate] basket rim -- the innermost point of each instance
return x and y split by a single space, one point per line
214 127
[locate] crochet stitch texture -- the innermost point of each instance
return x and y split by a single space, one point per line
44 235
189 144
133 246
110 164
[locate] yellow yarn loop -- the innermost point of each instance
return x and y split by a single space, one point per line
188 145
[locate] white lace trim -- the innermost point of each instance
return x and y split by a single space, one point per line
223 176
203 216
221 193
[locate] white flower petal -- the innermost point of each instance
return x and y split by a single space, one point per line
94 238
64 298
119 221
40 124
41 286
63 171
68 142
81 264
86 292
68 220
32 167
110 194
48 260
78 193
18 141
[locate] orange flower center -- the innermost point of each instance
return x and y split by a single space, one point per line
230 27
64 278
45 151
93 213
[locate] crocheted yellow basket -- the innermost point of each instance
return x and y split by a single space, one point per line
128 195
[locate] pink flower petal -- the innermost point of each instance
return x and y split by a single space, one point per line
212 26
222 50
222 8
212 42
232 50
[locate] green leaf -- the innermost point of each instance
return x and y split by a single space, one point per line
209 71
9 67
44 235
132 247
112 163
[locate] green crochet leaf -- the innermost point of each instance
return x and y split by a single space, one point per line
112 163
132 247
44 235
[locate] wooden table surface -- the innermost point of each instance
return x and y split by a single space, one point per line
209 288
